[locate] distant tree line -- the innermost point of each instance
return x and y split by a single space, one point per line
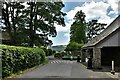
30 23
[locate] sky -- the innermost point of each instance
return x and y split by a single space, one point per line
105 11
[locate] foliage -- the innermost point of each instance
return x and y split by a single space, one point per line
15 59
54 51
11 19
74 46
78 28
59 55
48 52
94 28
32 24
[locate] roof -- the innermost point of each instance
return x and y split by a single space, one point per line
109 30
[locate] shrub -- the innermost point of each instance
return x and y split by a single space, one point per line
59 55
50 52
15 59
54 51
46 51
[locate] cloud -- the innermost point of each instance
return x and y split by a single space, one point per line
62 38
60 28
114 4
92 10
95 10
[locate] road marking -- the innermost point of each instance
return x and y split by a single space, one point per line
59 61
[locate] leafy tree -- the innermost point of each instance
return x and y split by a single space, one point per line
32 24
74 46
94 29
40 18
78 28
10 18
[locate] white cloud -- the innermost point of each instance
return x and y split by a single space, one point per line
114 4
60 28
93 10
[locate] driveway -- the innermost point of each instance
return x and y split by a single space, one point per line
63 69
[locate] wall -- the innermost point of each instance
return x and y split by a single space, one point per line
112 40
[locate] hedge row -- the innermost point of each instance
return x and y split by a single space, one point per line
15 59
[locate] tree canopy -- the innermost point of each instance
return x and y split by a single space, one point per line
78 28
31 24
77 32
94 28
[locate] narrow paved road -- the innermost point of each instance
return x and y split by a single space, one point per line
63 69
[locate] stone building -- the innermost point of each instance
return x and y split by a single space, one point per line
105 47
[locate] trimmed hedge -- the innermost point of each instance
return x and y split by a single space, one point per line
15 59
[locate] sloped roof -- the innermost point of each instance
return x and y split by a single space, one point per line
109 30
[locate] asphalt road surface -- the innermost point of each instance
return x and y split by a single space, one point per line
64 69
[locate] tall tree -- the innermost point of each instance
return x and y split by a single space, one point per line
10 18
32 24
41 17
94 28
78 28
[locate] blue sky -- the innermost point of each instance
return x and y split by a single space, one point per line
103 10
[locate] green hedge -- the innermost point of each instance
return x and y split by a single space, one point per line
15 59
59 55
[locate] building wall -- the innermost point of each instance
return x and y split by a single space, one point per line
112 40
119 38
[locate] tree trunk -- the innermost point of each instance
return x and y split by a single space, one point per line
31 26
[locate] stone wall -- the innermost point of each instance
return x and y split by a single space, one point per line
96 58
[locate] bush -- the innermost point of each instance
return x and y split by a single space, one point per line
59 55
50 52
15 59
54 51
46 51
72 46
